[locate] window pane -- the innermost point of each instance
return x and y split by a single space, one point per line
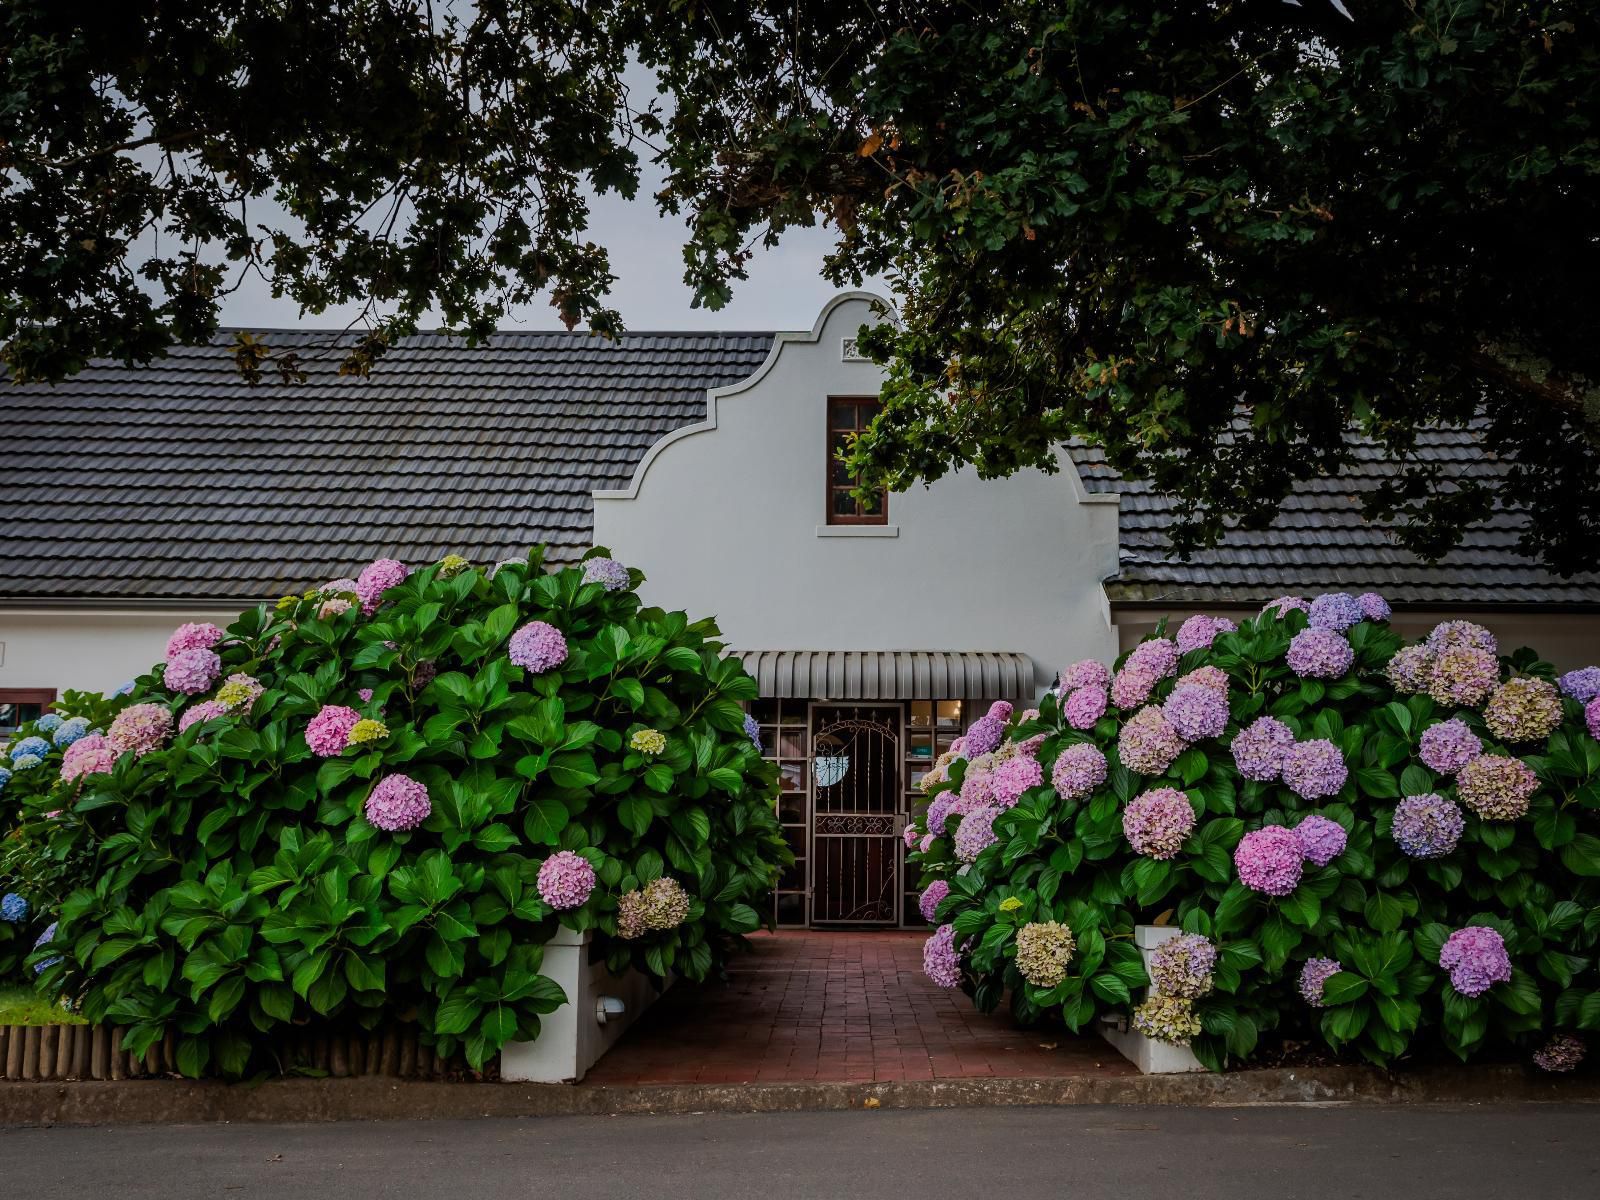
842 415
844 504
791 908
792 743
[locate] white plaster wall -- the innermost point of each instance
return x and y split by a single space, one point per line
728 518
1569 640
89 651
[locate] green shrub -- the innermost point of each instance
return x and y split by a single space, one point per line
235 882
1525 867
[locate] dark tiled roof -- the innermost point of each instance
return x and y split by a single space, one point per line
1319 542
179 480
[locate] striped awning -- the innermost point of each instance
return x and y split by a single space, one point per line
890 674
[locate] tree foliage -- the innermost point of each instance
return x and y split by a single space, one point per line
1236 243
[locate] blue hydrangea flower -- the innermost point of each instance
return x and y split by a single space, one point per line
70 731
13 908
125 690
32 744
607 572
48 723
45 938
752 730
5 778
26 762
1336 611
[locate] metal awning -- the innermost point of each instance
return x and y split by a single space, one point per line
890 674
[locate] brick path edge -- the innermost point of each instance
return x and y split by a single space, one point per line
298 1100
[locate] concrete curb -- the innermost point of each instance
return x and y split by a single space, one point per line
171 1101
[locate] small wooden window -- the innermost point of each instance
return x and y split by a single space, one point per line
847 417
18 706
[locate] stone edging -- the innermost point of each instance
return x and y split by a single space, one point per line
179 1102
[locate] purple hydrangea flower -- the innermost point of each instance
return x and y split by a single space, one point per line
1132 685
1314 769
1259 747
1373 606
397 803
1314 975
1200 631
1159 655
1410 668
1270 860
1449 746
752 730
1211 677
1448 634
939 810
976 833
1476 959
206 710
565 880
1088 672
1084 706
1317 653
1078 770
940 960
1148 744
1183 966
1014 776
1591 717
44 939
607 572
192 671
376 578
1427 826
1158 822
989 730
1196 711
932 895
1284 605
1336 611
1583 685
1321 840
538 647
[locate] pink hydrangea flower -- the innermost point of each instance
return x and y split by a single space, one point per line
1211 677
201 635
1270 860
376 579
565 880
1158 822
1259 748
1200 631
197 714
1284 605
940 960
328 733
1148 744
92 754
1088 672
976 833
928 902
140 728
1476 959
398 803
1448 746
1196 712
1013 777
192 671
538 647
1314 769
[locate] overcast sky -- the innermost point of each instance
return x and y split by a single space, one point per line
785 289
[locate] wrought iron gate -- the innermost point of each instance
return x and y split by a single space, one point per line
855 814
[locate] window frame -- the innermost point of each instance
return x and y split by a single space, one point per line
830 489
45 698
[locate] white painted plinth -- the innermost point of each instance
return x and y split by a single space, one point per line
1150 1056
572 1039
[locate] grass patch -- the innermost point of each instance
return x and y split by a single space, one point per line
24 1006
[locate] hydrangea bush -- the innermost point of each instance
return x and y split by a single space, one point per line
385 807
1389 849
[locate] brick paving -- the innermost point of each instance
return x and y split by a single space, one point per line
815 1006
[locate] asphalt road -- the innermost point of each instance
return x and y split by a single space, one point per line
1008 1154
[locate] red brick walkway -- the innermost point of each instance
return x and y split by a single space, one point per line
837 1007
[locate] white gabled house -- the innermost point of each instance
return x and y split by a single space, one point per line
142 497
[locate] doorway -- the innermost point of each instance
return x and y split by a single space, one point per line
856 817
